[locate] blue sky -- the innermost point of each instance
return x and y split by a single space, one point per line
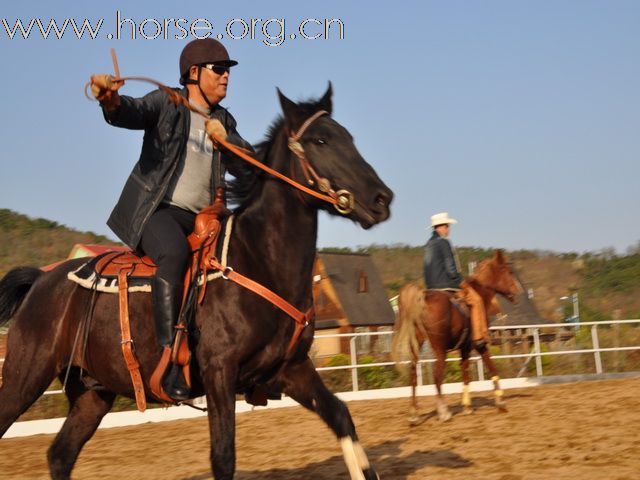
519 118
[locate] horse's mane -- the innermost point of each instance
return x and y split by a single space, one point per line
479 276
241 189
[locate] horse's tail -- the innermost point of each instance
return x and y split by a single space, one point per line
13 288
409 322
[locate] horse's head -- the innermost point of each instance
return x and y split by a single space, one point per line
498 275
325 159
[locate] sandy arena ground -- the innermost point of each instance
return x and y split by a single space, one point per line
576 431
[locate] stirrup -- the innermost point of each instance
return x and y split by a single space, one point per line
174 383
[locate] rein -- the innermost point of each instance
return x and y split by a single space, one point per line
342 200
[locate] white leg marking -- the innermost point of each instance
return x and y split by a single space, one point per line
466 400
443 410
466 397
497 392
351 458
361 456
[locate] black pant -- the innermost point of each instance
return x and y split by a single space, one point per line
164 240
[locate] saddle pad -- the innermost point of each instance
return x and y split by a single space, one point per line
87 277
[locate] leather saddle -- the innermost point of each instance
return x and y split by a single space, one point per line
124 265
202 242
458 304
461 307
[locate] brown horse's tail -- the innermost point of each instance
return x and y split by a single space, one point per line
409 322
13 288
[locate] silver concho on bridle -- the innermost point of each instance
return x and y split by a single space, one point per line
346 202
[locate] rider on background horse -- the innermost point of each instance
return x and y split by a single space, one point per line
177 174
442 272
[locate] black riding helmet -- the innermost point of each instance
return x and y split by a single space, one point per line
199 52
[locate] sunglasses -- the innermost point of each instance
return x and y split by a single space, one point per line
217 69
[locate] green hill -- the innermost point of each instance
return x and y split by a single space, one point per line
37 241
608 285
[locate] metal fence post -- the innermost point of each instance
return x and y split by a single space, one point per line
538 351
596 347
480 365
418 373
354 361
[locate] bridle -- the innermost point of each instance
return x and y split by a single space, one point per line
342 200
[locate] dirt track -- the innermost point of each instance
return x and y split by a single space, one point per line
586 430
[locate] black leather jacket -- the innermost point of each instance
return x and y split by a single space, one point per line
166 130
440 270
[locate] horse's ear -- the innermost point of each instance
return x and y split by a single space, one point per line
289 111
499 256
325 102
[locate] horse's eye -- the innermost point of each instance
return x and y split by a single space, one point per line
319 141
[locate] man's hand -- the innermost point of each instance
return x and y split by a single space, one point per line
105 90
215 130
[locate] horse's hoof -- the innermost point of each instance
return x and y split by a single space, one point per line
444 417
502 408
370 474
467 410
444 413
416 420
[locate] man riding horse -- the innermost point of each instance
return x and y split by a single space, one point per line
177 174
442 272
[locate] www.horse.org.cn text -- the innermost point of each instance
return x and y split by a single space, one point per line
272 32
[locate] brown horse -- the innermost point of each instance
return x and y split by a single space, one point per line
242 339
432 314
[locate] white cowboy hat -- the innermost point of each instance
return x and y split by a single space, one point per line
442 219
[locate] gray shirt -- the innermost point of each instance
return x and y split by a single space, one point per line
190 186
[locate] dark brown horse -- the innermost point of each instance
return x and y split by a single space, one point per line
243 339
431 314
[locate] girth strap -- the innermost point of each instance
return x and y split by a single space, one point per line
301 318
127 343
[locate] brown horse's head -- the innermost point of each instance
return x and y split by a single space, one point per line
498 275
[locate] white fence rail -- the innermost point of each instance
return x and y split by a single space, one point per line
536 353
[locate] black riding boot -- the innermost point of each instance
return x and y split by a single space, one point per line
167 299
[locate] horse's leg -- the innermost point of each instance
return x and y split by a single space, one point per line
28 369
495 378
86 409
219 385
441 406
414 418
466 378
301 382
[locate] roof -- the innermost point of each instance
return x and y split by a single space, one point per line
80 250
523 312
362 308
92 250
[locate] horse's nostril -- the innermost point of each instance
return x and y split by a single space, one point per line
382 199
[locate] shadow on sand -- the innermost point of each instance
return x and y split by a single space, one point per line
387 458
477 403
